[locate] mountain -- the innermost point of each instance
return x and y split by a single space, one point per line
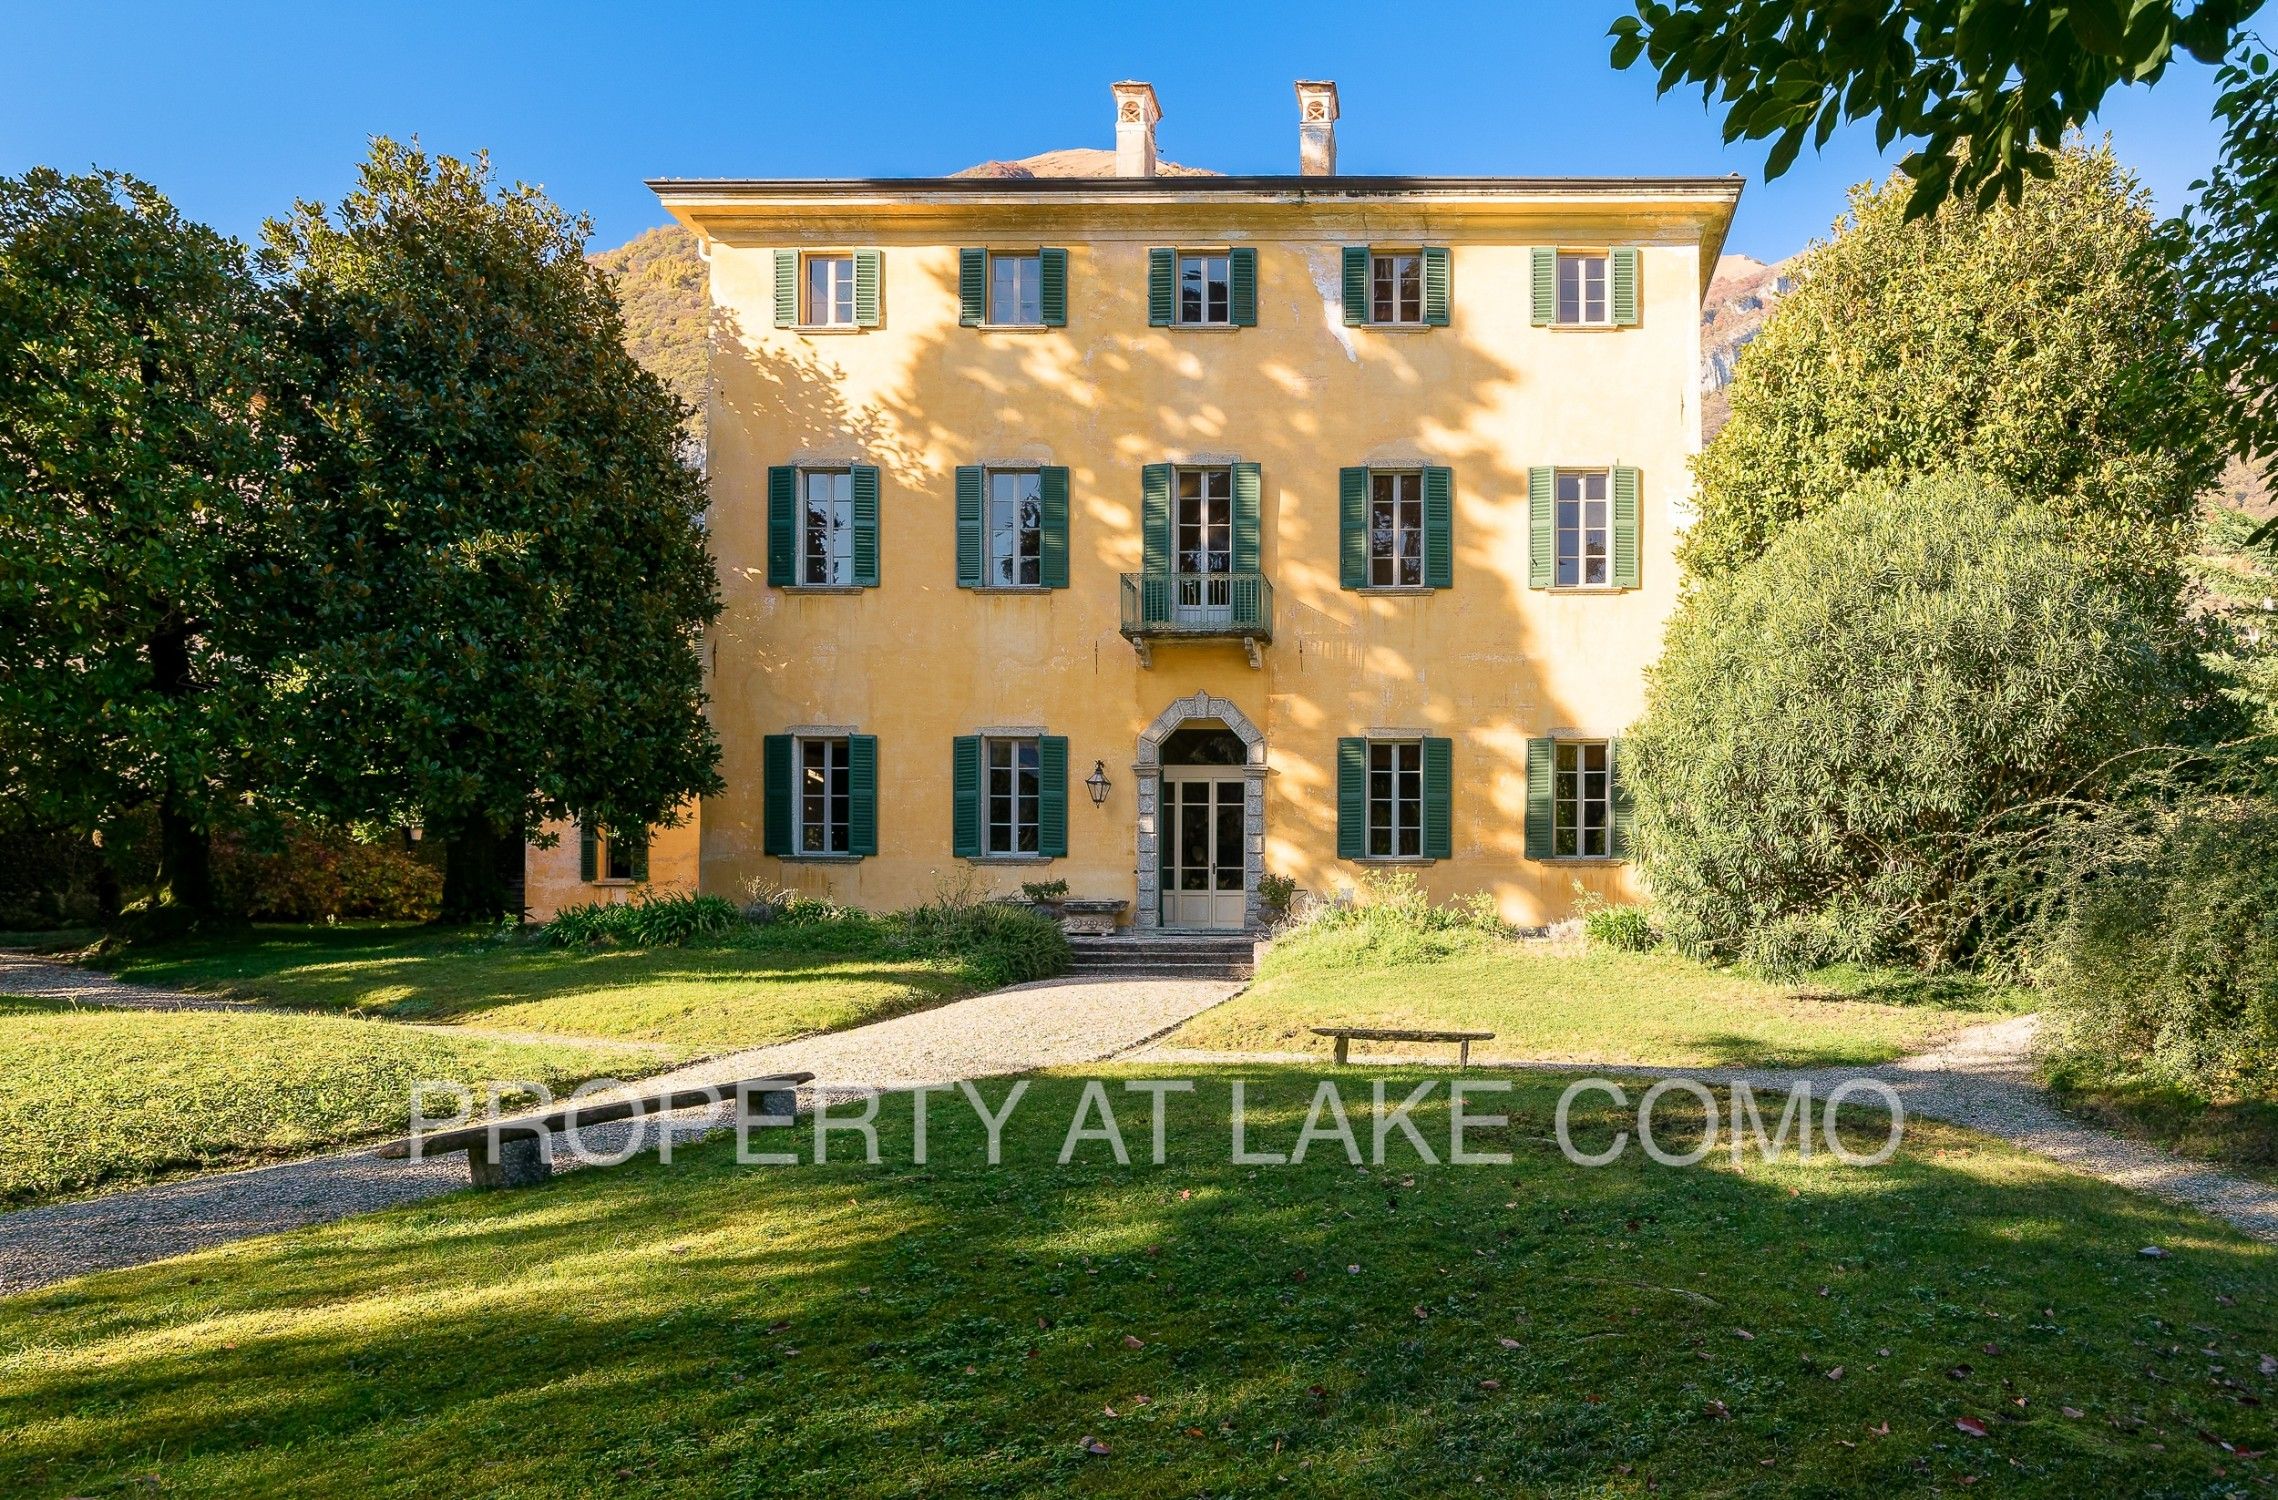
1741 296
660 286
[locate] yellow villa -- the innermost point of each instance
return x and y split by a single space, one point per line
1158 532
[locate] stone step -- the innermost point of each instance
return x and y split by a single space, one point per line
1160 971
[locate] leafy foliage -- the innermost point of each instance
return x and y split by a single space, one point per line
2036 343
515 570
316 875
646 921
1989 87
1836 732
1625 929
1392 919
659 281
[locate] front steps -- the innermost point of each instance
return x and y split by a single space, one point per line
1162 955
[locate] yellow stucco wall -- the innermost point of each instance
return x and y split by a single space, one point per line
917 661
550 875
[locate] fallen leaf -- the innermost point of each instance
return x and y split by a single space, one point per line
1194 1432
1508 1343
1970 1425
1594 1399
1744 1333
1298 1274
1958 1372
2270 1364
1352 1270
2152 1252
1881 1431
1718 1410
1836 1373
1993 1348
1108 1411
1141 1401
1093 1446
1490 1385
2071 1411
1882 1354
1133 1341
1421 1315
1185 1193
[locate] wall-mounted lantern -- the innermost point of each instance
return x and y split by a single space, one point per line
1097 783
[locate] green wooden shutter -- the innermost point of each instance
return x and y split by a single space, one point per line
1541 758
588 854
1155 519
1352 528
1162 287
782 526
862 794
1052 286
972 287
867 265
865 526
1352 798
775 795
1053 482
1542 531
972 486
1356 285
1625 528
1242 286
1621 273
1545 287
1439 528
786 288
965 796
1436 288
639 863
1439 798
1249 528
1625 810
1052 796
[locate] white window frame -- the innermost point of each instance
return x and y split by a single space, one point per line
1033 261
1571 804
836 763
1389 556
1414 262
837 554
1223 261
1399 816
1013 824
1583 262
993 536
838 291
1579 534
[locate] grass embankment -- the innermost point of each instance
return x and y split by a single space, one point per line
94 1099
1304 1330
770 984
1546 1002
2237 1132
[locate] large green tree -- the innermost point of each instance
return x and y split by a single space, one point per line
145 531
2035 342
515 571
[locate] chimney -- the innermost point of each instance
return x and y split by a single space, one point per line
1316 129
1135 115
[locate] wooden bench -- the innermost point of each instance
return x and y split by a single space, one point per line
1347 1035
510 1152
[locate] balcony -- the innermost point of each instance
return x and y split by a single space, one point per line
1197 606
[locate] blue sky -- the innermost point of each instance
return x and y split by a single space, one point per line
236 109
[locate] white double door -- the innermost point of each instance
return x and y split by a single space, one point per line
1204 533
1202 842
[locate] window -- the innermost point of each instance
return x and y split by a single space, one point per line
826 526
1205 295
830 292
1396 287
1016 290
1016 529
1395 799
1582 289
1009 796
1582 800
1204 521
604 860
825 799
1582 530
1396 530
617 857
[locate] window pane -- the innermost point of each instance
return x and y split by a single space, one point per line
1190 289
1569 289
1015 290
1228 857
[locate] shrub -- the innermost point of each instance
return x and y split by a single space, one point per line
647 921
1275 893
315 875
1044 892
1836 731
1626 928
1392 920
2164 959
998 943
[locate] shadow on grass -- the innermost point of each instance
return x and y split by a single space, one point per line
1220 1327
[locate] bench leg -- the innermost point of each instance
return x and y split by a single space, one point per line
1344 1047
520 1162
1463 1055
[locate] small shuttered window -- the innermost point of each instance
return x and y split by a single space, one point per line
1577 805
819 796
1397 528
1009 796
1393 288
822 526
1012 288
828 289
1586 288
1582 528
1395 798
1012 527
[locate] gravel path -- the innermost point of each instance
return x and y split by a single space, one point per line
1982 1078
45 979
1053 1024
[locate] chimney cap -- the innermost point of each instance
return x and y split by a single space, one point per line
1316 99
1135 103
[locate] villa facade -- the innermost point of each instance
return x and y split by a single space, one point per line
1162 531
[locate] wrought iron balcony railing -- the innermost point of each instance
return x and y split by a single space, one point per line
1209 605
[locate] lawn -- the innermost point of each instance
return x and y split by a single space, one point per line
770 988
93 1099
2239 1132
1602 1006
704 1329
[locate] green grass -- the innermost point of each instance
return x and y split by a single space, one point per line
93 1099
704 1329
776 985
2240 1133
1602 1006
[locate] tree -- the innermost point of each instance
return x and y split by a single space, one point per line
514 572
1840 736
1989 87
145 530
2036 342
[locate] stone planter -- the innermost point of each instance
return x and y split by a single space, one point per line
1091 918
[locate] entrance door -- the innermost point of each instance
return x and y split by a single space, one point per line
1202 848
1204 547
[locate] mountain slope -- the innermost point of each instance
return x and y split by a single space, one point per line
660 286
